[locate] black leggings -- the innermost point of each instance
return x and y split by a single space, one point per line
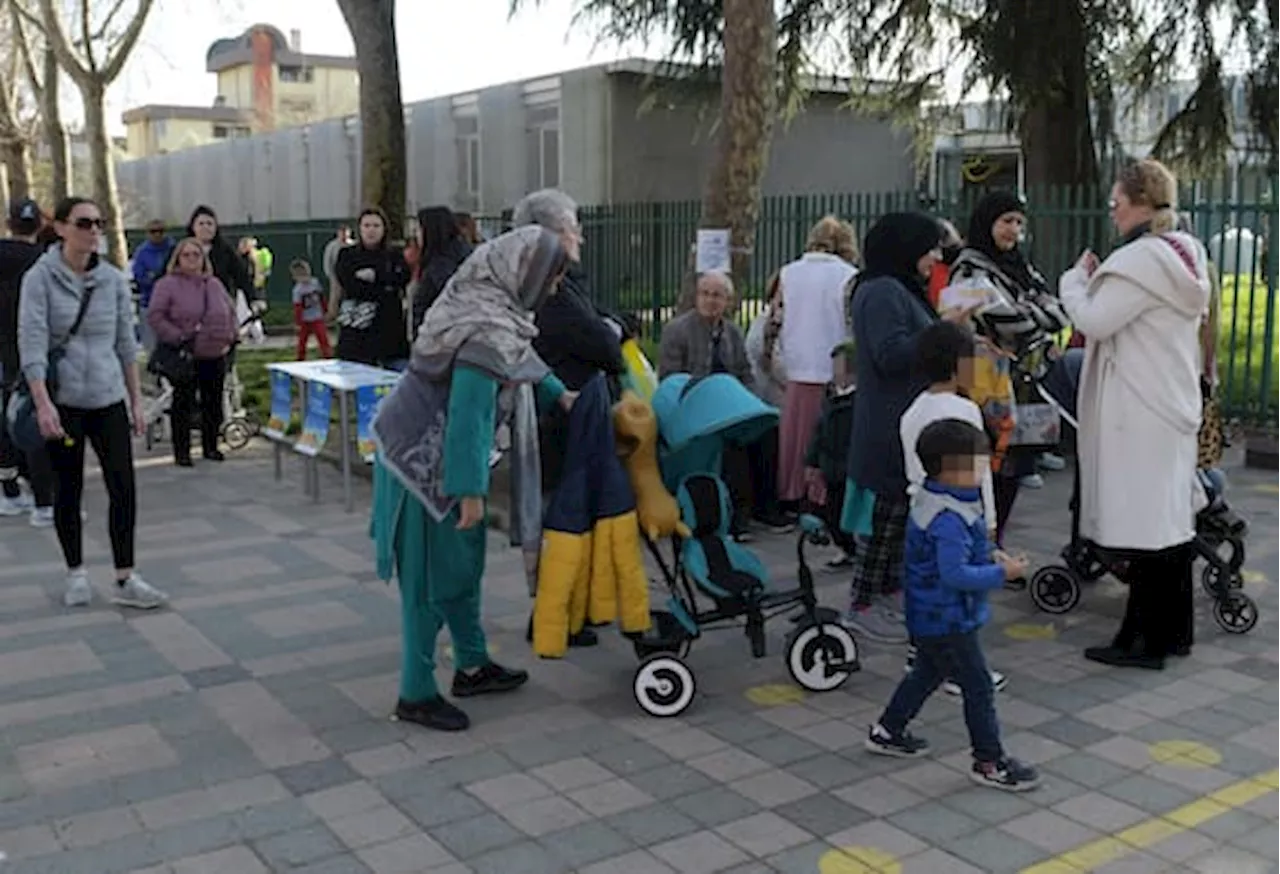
208 384
109 432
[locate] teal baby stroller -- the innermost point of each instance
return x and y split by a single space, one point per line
714 582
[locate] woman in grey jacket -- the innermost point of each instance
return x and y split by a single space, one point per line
76 317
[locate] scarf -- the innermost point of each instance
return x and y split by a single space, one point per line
894 246
482 319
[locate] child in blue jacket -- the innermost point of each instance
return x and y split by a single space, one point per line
948 570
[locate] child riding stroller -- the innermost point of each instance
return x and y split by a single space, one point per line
1056 588
712 581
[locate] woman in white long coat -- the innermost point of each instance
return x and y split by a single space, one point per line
1139 405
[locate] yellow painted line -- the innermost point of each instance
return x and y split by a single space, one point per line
1031 631
858 860
1184 754
1095 854
775 695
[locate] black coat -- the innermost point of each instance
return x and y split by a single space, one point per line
230 269
573 338
371 327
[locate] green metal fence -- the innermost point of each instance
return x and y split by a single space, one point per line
638 255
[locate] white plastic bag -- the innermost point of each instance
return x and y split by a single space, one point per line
251 329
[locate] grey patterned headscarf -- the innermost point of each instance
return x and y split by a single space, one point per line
484 319
490 302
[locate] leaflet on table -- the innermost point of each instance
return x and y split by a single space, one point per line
367 399
315 424
281 405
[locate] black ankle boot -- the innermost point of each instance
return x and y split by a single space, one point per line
435 713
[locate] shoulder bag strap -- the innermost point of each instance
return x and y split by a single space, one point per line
89 286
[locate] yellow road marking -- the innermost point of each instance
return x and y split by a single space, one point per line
1095 854
775 695
1030 631
858 860
1184 754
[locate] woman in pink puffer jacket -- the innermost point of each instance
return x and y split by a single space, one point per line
191 309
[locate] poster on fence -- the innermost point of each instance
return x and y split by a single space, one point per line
281 405
315 422
711 250
367 399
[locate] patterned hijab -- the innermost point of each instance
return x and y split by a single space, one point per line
488 305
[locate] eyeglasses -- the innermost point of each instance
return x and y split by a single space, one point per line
89 224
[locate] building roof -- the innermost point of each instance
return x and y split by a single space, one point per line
157 111
238 51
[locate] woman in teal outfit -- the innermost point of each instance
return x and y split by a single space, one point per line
473 369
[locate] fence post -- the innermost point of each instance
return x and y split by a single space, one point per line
1269 329
655 267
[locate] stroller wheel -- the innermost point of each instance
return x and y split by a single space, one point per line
1212 577
821 657
1055 590
253 421
1235 613
236 434
663 686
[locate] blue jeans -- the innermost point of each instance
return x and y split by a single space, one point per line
957 657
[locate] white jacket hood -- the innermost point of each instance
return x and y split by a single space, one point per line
1155 262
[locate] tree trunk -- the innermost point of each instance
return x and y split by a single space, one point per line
1056 128
55 132
384 173
748 108
103 169
16 155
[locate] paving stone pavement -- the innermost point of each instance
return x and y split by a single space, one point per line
244 730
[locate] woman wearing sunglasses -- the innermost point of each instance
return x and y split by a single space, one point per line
79 358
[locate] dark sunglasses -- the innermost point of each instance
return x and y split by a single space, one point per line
87 224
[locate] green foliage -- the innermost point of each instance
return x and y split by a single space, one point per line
900 52
1246 350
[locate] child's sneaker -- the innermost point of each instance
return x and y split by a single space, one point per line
903 746
42 517
16 505
998 682
1008 775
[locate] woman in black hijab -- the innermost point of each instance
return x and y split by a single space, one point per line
889 309
993 254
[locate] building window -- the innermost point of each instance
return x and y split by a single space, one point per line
542 160
544 157
469 165
220 132
297 74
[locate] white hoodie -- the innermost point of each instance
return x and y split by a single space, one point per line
1139 401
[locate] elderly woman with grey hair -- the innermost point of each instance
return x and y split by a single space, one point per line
574 339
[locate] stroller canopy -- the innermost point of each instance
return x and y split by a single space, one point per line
696 417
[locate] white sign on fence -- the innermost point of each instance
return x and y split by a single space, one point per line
712 250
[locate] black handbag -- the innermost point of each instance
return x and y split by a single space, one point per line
173 361
176 362
21 417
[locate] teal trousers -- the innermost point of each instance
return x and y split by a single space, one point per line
439 569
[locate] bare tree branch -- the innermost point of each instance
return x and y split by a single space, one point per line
86 22
23 44
119 53
104 31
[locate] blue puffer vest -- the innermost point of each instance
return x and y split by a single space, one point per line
947 567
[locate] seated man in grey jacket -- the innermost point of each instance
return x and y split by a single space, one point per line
701 342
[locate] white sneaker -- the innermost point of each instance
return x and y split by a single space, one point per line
138 593
998 682
79 592
1051 461
42 517
15 506
1032 481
